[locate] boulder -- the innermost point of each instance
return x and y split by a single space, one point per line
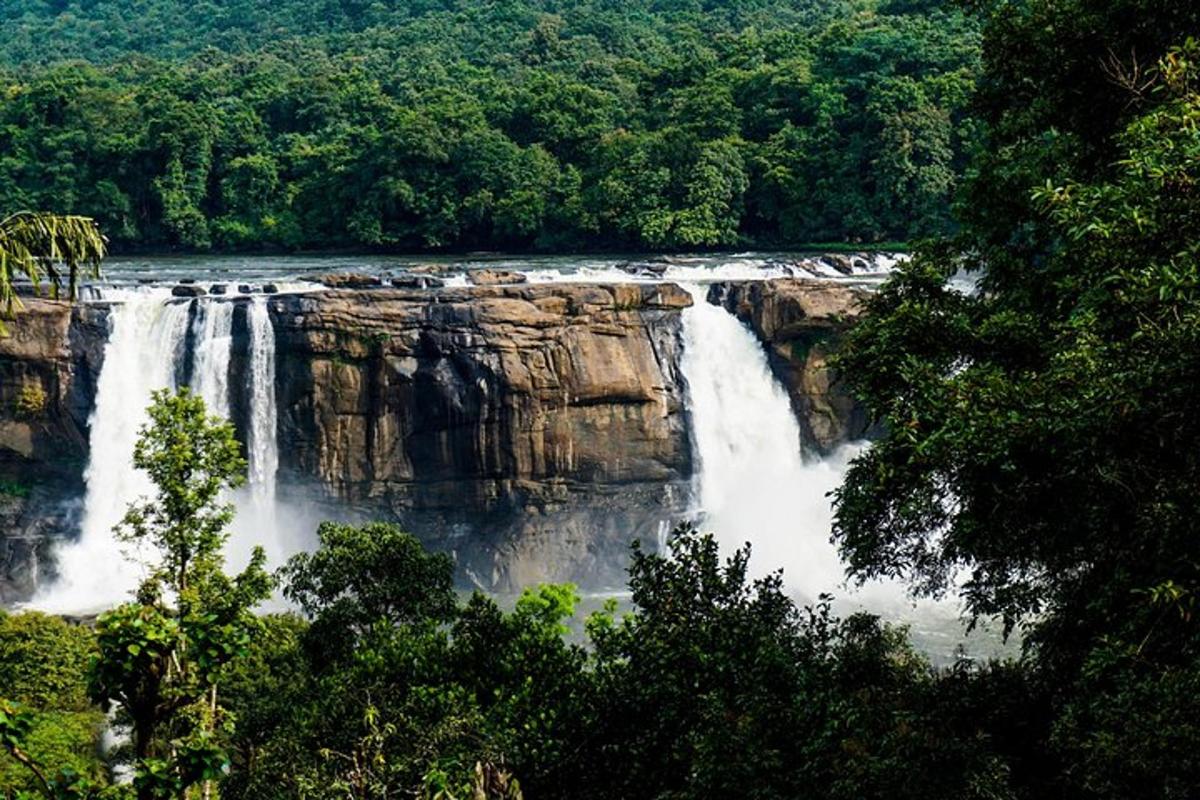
839 262
648 268
347 280
417 282
188 290
495 277
800 322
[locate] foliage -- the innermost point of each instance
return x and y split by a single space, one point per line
522 125
160 658
755 697
364 577
38 246
15 490
45 715
30 401
1036 435
747 691
41 660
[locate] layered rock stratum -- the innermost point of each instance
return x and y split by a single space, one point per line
532 430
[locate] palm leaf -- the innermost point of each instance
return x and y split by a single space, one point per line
47 247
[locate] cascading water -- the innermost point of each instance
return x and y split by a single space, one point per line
146 340
753 484
263 445
259 515
213 351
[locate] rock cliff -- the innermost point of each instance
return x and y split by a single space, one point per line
800 322
534 430
49 362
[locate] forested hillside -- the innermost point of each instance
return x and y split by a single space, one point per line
523 125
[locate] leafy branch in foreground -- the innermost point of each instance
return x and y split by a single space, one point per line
158 659
39 246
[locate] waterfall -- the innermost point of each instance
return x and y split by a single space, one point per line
260 519
263 447
213 336
145 341
148 338
753 484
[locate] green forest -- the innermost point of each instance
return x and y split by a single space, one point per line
1038 436
528 125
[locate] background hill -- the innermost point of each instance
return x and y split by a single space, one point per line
521 125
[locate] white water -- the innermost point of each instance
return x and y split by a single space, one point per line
263 445
261 520
753 484
145 342
213 351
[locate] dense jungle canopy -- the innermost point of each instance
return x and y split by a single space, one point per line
512 125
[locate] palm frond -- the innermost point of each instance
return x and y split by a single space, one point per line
47 247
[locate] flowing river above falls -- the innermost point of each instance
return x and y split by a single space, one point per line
752 479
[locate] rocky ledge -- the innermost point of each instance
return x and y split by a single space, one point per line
533 430
49 363
800 321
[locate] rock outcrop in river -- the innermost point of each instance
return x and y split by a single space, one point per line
533 430
800 322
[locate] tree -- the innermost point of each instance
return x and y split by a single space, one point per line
161 657
46 717
362 577
1035 440
38 246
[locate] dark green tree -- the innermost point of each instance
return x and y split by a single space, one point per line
161 657
1036 434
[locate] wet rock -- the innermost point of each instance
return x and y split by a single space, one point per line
653 268
188 290
496 277
270 288
348 280
801 321
839 262
534 430
218 288
245 288
417 282
49 365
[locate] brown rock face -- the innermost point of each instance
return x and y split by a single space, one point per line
495 277
800 322
533 430
49 363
